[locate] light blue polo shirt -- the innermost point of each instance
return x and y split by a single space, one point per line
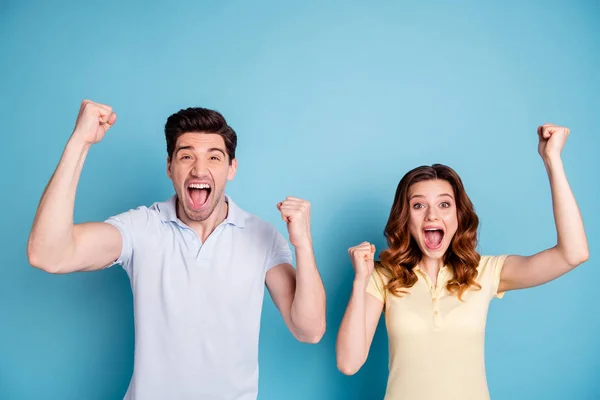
197 306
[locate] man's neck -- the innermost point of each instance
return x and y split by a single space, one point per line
206 227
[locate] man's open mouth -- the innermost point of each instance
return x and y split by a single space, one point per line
198 194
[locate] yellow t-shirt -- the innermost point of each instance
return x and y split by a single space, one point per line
436 341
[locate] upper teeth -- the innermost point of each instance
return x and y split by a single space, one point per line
199 186
432 229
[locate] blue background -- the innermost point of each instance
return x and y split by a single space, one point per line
333 103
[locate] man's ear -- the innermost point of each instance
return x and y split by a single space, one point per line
169 168
232 169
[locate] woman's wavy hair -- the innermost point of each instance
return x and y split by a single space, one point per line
403 252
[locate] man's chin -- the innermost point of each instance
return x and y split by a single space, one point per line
204 213
198 216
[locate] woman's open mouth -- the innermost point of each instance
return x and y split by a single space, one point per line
434 236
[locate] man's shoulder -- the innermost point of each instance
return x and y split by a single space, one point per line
254 224
144 214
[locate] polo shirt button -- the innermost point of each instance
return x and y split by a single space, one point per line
434 299
435 312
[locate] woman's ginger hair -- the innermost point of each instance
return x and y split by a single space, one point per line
403 252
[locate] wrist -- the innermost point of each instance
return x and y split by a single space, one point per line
303 244
360 283
551 161
77 144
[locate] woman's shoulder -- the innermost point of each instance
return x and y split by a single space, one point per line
381 273
487 261
490 265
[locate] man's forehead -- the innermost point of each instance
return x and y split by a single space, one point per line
200 140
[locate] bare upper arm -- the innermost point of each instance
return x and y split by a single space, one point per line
95 246
520 272
281 283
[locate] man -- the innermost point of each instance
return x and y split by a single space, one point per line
197 263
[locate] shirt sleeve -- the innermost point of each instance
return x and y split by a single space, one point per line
375 286
495 266
280 251
126 223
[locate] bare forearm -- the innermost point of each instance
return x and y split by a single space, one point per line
51 237
351 346
572 241
308 307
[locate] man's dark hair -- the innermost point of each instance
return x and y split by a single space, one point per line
199 120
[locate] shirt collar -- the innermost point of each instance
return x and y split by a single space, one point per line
417 268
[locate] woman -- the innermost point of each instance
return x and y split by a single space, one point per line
436 288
